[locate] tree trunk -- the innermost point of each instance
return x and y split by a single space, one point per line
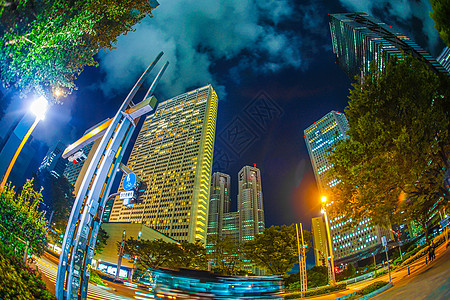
425 228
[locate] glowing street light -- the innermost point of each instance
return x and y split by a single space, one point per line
330 246
38 108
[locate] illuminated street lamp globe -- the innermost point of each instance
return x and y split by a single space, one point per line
39 107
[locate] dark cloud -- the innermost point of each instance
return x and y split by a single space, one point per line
196 34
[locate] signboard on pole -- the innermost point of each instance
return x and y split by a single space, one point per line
126 195
129 182
383 241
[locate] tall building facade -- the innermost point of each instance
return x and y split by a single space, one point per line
173 154
13 132
319 138
219 203
358 39
242 225
53 161
444 58
74 166
348 242
319 241
250 203
248 221
231 226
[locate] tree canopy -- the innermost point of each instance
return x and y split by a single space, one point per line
21 221
441 17
44 45
159 253
276 249
57 192
226 255
396 157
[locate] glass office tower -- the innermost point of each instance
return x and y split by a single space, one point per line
358 39
173 154
348 243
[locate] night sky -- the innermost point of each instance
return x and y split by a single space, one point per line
271 64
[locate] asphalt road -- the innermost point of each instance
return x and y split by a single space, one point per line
424 282
432 281
48 265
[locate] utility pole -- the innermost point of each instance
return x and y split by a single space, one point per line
374 264
384 242
119 260
302 261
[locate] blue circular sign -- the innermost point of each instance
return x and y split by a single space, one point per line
129 182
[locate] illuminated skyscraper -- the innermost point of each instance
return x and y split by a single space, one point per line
319 241
248 221
53 162
173 154
321 136
444 58
358 39
74 167
347 242
250 203
219 202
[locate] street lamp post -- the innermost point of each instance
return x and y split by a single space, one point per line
38 108
330 245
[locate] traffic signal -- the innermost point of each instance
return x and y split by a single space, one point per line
139 191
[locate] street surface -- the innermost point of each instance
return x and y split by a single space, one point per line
424 282
48 265
431 282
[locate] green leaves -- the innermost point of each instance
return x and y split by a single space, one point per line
275 249
225 255
399 122
45 45
20 220
158 253
440 13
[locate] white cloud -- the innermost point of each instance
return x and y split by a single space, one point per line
194 35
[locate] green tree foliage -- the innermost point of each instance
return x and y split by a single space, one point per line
58 192
20 220
275 249
62 200
45 44
441 17
317 276
102 239
190 255
226 256
18 281
347 273
159 253
396 156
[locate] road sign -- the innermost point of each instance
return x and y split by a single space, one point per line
383 241
126 195
129 182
